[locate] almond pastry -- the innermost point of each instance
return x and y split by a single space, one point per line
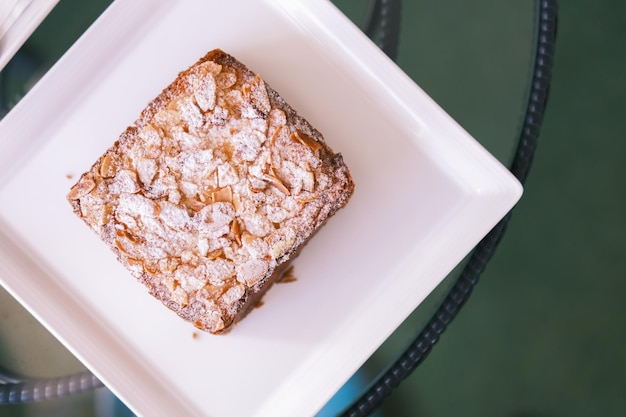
212 192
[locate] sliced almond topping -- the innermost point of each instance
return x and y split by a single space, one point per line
305 200
81 189
169 283
150 268
212 292
168 264
134 262
308 180
272 142
258 187
128 235
146 170
108 167
236 230
272 179
189 258
252 271
225 79
275 135
224 194
236 202
215 254
119 245
193 205
107 211
180 296
306 140
157 209
209 67
256 94
247 238
205 197
280 247
126 181
204 92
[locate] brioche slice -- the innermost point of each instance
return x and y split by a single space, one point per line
212 192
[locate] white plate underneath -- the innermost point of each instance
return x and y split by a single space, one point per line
426 193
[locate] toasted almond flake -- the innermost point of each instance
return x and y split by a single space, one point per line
236 231
107 211
134 262
308 180
169 283
275 135
82 188
305 200
210 67
204 92
168 264
253 189
107 167
150 268
252 271
205 197
236 202
248 238
277 183
180 296
233 294
187 256
306 140
125 181
194 205
280 247
146 170
119 245
224 194
218 253
256 94
272 143
217 324
225 80
157 209
128 235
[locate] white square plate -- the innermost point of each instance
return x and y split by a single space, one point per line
426 193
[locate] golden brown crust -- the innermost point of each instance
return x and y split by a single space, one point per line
213 191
